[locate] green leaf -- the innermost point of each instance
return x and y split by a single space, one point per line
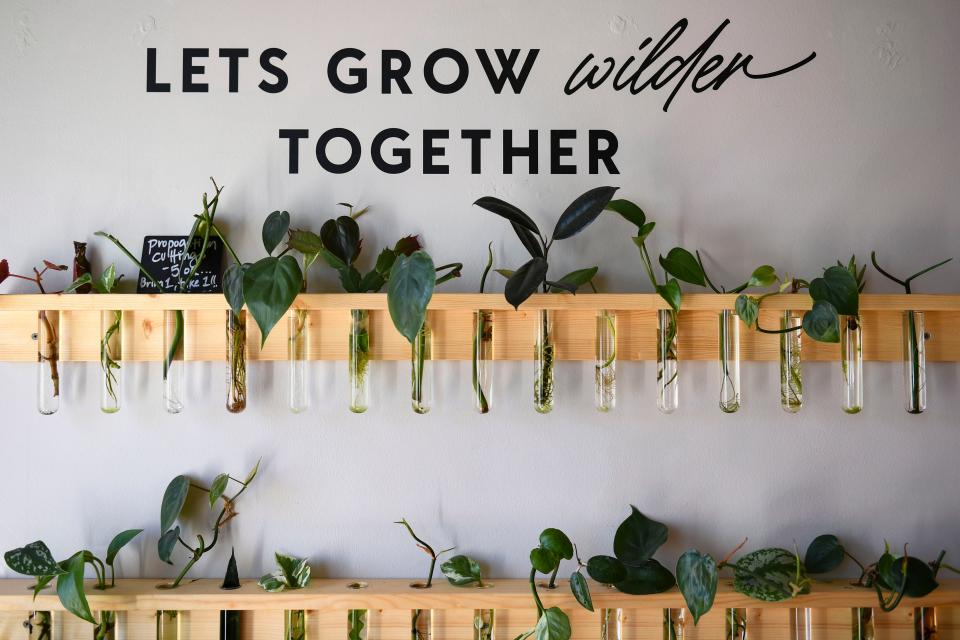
646 578
684 266
119 542
824 554
747 308
70 589
217 487
506 273
84 279
770 575
629 212
553 625
544 560
822 322
581 590
670 291
271 583
461 570
372 282
645 232
167 543
306 242
557 542
409 290
341 237
638 538
839 288
508 211
233 285
33 559
294 572
385 261
606 569
525 281
270 286
697 577
174 498
763 276
576 279
920 578
41 584
582 211
252 474
529 240
275 227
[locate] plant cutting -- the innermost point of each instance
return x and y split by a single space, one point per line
534 274
48 339
464 571
111 337
482 354
174 500
291 573
203 229
422 619
35 559
914 335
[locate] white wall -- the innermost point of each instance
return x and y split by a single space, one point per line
856 151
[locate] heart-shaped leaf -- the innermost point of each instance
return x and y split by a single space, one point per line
174 497
629 212
275 227
822 322
233 285
544 560
646 578
508 211
70 589
670 292
762 276
581 212
748 308
167 543
341 237
217 487
306 242
33 559
108 279
525 281
581 590
606 569
824 554
684 266
553 625
697 577
920 578
638 538
461 570
558 542
119 542
411 284
270 286
839 288
770 575
407 245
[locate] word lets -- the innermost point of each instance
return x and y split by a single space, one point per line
630 77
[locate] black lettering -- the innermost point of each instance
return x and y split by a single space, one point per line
605 155
350 163
359 75
557 151
265 63
429 71
152 85
506 74
294 136
402 154
233 56
394 75
431 151
510 152
475 136
190 70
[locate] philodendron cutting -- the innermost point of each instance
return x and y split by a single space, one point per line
35 559
533 274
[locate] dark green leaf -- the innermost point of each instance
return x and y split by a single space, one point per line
306 242
409 290
167 543
525 281
529 240
217 487
341 237
629 211
606 569
173 500
270 286
41 584
508 211
645 231
747 308
920 578
350 279
33 559
839 288
70 589
274 229
119 542
461 570
558 542
581 590
544 560
670 291
646 578
763 276
407 245
372 282
824 554
697 577
578 278
558 287
233 285
771 575
822 323
684 266
553 625
83 280
582 211
385 261
638 538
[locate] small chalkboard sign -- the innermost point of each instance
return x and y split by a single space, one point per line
162 257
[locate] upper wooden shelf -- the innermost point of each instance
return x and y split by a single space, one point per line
200 595
465 302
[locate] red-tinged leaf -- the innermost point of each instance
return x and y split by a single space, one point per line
4 270
408 245
54 267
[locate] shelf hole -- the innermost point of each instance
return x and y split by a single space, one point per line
357 585
419 585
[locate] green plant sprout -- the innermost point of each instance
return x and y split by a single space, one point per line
106 283
424 546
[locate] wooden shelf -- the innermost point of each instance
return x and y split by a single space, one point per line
451 316
326 594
